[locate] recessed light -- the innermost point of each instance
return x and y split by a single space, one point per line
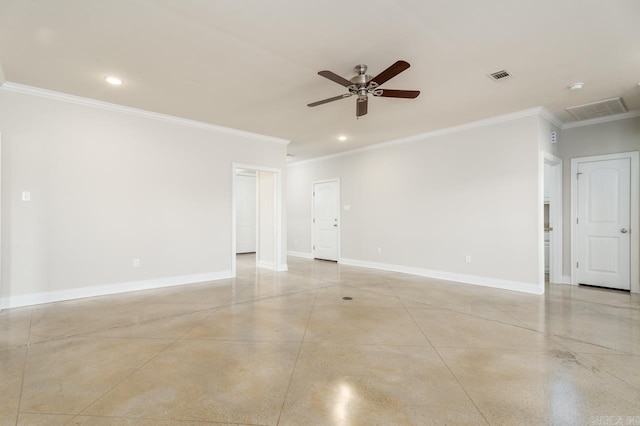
576 86
113 80
342 138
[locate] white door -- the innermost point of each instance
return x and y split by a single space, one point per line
602 228
326 204
245 214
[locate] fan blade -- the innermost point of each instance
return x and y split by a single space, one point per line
335 78
407 94
325 101
390 72
361 107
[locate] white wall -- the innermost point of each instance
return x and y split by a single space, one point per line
107 187
429 203
545 128
596 139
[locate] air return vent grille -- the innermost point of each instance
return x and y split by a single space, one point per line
500 75
598 109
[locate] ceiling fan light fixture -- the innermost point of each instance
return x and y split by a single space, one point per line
113 80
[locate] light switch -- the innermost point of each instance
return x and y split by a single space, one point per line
347 207
26 196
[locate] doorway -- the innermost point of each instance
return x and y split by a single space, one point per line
552 218
246 211
604 213
256 218
326 219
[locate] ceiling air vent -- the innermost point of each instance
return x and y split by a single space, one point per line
598 109
499 75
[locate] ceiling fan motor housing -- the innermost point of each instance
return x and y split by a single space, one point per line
361 78
360 82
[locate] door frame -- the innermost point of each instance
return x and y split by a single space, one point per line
634 225
1 282
555 217
278 264
313 225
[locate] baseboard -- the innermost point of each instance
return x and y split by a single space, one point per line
566 279
300 254
102 290
264 264
283 267
450 276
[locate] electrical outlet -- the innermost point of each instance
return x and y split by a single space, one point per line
379 250
136 263
468 259
26 196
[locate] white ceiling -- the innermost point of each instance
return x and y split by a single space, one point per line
252 64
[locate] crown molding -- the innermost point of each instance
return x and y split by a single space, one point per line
78 100
616 117
551 117
532 112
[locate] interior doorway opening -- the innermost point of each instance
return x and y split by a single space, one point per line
246 203
246 211
256 229
552 219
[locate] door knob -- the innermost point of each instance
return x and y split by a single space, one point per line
550 228
335 225
624 230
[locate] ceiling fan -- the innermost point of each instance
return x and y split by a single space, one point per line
363 84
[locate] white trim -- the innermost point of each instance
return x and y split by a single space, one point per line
1 286
566 279
540 215
450 276
78 100
264 264
634 253
302 254
278 228
313 242
555 218
102 290
3 79
245 174
532 112
616 117
551 117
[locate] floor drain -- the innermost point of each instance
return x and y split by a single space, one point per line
347 298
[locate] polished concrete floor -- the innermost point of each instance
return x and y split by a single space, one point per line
285 348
